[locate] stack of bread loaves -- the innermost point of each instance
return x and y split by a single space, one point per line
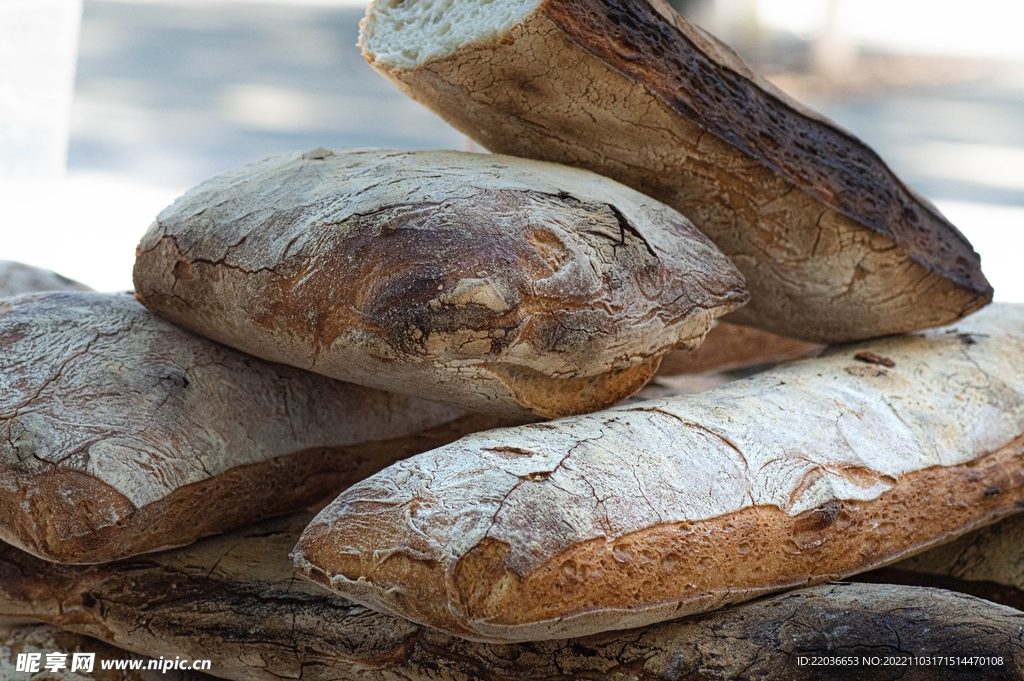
480 296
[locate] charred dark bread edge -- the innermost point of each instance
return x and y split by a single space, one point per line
661 50
814 272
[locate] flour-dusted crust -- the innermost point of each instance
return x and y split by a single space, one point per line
834 247
508 286
16 278
805 473
234 600
728 347
122 433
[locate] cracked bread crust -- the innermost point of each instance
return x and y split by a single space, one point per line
641 513
121 433
834 247
234 599
511 287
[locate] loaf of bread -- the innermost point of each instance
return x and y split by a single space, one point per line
123 433
834 247
510 287
16 277
801 474
728 347
234 600
44 640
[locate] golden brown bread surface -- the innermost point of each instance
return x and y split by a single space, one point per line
507 286
818 470
233 599
834 247
988 563
121 433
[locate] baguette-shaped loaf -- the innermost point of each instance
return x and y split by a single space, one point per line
834 247
16 277
234 600
43 640
801 474
728 347
121 433
507 286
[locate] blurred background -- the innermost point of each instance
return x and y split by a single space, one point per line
111 109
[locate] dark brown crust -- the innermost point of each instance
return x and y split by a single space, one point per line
233 600
61 527
825 161
833 246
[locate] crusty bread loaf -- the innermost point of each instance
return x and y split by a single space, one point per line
834 247
728 347
122 433
44 640
234 600
511 287
641 513
16 277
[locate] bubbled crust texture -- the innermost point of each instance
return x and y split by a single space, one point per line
642 513
833 246
121 433
508 286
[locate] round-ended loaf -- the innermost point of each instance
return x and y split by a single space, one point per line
834 247
121 433
641 513
510 287
234 600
